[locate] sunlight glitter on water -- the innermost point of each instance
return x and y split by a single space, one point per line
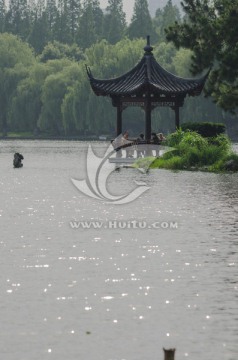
124 291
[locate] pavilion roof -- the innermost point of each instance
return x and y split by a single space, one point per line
147 75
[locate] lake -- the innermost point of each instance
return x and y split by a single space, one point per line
83 278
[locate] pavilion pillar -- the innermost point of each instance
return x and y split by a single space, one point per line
119 120
147 119
177 121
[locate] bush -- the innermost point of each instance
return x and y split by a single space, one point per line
175 138
211 155
170 154
192 158
192 139
222 141
232 156
192 151
199 158
175 163
221 165
205 129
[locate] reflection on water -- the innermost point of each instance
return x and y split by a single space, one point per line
115 293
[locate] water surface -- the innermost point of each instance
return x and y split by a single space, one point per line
113 294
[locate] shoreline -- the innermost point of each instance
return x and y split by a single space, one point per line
70 138
53 138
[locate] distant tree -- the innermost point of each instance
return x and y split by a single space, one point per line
56 50
73 14
166 17
211 33
39 35
26 103
98 19
18 18
66 24
54 90
87 33
141 22
52 16
164 53
16 57
115 21
2 15
62 27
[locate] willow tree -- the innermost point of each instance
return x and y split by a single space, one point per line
16 57
26 103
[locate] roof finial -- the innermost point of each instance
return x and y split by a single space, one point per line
148 48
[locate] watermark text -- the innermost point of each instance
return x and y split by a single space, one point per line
123 224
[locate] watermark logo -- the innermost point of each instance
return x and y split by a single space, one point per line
99 168
123 224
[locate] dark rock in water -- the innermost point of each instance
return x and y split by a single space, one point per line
231 165
17 160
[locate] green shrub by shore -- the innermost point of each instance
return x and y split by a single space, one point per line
191 151
206 129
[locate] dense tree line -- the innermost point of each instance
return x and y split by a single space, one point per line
43 50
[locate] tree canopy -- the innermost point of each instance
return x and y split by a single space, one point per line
44 84
210 30
141 22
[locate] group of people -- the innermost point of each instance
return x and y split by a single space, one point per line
155 138
124 142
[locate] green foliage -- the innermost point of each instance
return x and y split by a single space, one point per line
206 129
232 156
210 31
29 96
192 139
221 164
166 17
164 53
141 23
114 22
175 138
174 163
17 19
90 24
222 141
181 62
171 153
57 50
16 57
204 157
192 151
54 90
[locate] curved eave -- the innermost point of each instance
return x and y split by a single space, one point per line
129 83
147 74
168 83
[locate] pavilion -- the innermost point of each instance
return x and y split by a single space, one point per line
147 85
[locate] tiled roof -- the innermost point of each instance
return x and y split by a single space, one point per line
147 75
